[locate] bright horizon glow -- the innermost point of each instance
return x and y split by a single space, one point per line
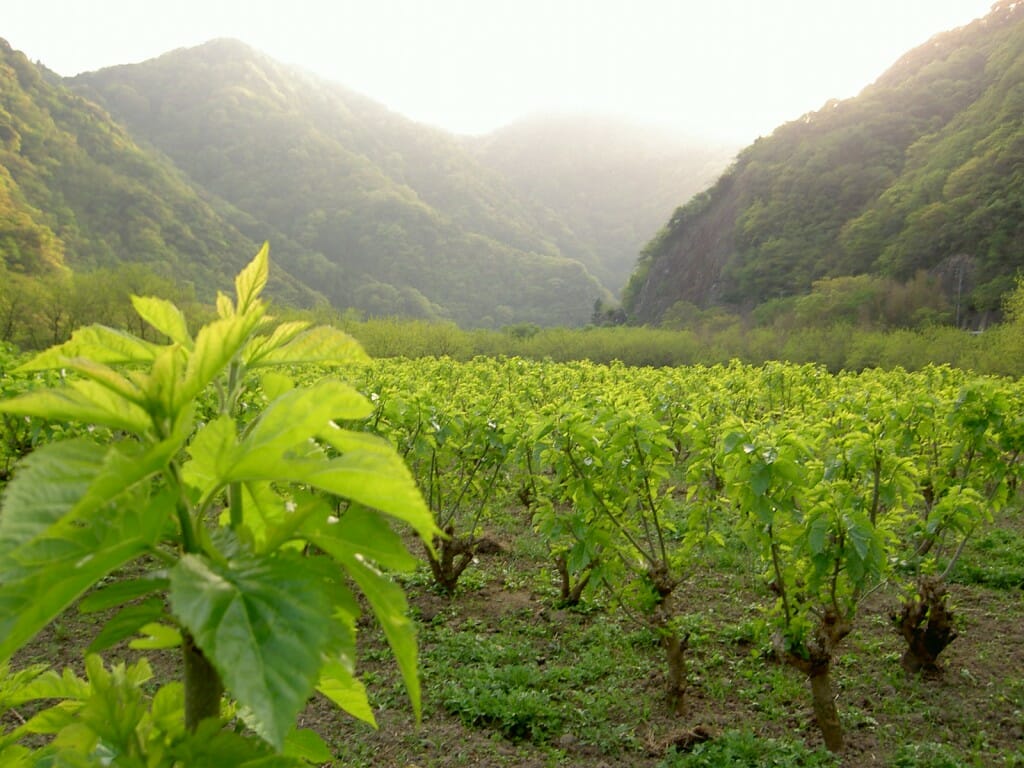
726 70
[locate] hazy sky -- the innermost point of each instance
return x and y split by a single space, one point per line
731 69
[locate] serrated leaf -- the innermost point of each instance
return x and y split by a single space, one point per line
45 575
294 418
63 481
126 623
340 685
46 486
121 592
164 317
216 345
247 618
260 346
321 345
389 606
371 472
156 637
107 377
212 451
304 744
817 534
83 401
51 685
360 532
250 282
97 343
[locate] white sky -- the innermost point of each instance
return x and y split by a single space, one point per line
726 69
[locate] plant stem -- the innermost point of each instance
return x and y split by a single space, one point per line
203 686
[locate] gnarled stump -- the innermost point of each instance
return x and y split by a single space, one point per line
926 623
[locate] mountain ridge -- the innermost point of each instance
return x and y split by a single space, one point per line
919 172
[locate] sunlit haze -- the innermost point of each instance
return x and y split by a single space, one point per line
725 69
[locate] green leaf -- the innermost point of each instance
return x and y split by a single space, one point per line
156 637
212 450
304 744
250 282
42 577
126 623
340 685
817 533
120 592
322 345
69 480
98 343
760 478
259 346
87 402
51 685
107 377
359 532
861 532
294 418
371 472
164 317
248 617
389 606
275 384
216 345
47 485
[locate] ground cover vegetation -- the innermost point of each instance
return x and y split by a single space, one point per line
678 566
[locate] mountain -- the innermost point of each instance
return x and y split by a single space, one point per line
922 172
613 183
386 215
76 192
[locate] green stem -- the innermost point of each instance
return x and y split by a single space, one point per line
235 504
189 542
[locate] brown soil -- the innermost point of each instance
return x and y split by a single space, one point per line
974 703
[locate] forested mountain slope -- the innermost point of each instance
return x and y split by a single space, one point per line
924 170
392 217
614 184
76 192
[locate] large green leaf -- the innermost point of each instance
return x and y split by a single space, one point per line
322 345
212 450
98 343
86 402
294 418
359 532
259 346
44 575
371 472
47 485
216 345
389 606
70 480
250 282
165 317
263 623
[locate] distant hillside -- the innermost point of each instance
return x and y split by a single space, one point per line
924 170
614 184
392 217
77 192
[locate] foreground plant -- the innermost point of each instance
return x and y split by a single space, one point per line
246 529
